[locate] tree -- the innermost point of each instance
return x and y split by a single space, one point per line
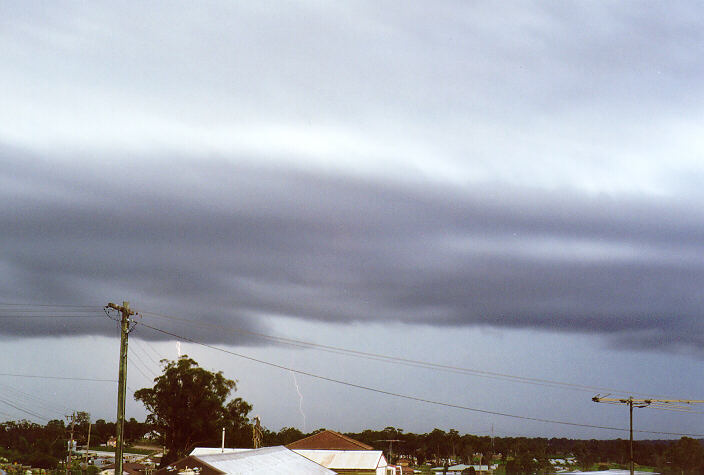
187 406
686 455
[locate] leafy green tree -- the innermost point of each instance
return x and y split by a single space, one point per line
284 437
187 406
686 456
102 431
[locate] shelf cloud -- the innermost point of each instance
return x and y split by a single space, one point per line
227 243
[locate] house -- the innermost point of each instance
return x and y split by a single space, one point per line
129 468
458 469
328 440
358 462
263 461
343 454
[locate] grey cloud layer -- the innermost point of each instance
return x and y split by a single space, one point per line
228 243
596 95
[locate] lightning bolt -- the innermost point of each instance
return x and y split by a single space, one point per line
300 400
178 348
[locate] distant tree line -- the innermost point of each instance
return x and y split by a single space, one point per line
189 406
44 446
520 455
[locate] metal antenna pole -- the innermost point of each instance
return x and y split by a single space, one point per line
630 407
670 404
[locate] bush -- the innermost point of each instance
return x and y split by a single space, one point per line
39 460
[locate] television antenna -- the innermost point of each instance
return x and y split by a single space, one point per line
682 405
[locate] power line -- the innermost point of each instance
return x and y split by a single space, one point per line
136 358
96 307
66 378
404 361
33 414
47 311
346 351
404 396
134 364
18 393
137 345
151 349
47 316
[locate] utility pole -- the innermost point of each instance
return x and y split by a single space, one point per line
70 442
125 311
668 404
257 433
391 446
88 442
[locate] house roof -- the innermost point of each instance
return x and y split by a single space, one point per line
345 459
328 440
264 461
130 468
214 450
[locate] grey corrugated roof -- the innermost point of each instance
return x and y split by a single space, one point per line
264 461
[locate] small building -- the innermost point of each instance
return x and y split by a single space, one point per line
264 461
358 462
328 440
128 468
459 468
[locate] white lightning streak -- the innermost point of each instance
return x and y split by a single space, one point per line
300 400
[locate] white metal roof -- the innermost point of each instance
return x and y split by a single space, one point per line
345 459
214 450
264 461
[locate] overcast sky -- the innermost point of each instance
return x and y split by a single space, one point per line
513 189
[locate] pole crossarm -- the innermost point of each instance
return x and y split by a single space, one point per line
644 402
121 308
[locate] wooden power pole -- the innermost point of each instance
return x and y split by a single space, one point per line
70 441
125 311
631 402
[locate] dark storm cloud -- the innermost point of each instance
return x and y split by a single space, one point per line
228 243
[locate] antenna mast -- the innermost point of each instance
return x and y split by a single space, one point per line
671 404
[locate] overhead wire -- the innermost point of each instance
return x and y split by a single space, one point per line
135 343
405 396
350 352
46 316
404 361
157 354
51 407
65 378
139 364
96 307
25 411
329 348
135 366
